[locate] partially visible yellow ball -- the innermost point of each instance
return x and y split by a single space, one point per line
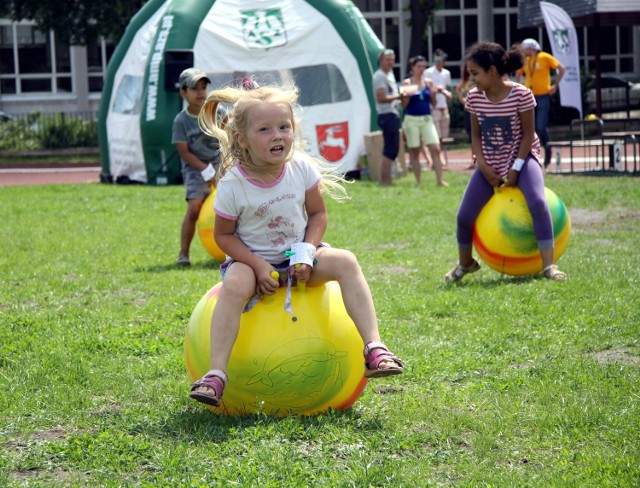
280 365
204 226
503 233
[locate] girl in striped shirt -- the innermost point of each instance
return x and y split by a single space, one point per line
507 151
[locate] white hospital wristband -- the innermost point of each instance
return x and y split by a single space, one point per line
303 253
208 173
518 164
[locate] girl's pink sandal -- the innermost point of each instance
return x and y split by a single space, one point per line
214 382
376 355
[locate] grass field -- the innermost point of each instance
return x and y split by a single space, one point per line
509 381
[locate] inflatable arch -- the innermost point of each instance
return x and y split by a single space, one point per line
326 46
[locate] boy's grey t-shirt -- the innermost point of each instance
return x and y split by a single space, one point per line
204 147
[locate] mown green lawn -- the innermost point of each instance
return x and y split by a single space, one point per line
509 381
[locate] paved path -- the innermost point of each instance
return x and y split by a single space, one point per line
51 174
48 174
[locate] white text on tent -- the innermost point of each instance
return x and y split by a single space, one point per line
154 66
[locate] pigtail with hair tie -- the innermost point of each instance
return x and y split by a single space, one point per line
215 121
249 84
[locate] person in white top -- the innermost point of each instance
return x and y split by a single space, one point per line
441 79
270 218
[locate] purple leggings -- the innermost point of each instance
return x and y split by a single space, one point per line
479 191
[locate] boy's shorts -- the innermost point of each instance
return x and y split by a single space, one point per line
195 186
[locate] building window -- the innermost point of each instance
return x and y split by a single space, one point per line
98 55
369 5
616 51
32 62
7 60
448 36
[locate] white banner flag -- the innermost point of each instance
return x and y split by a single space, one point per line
564 44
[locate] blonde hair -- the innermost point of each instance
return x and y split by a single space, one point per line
226 127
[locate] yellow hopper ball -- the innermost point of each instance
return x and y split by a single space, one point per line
279 366
503 233
204 225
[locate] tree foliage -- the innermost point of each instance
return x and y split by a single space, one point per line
75 22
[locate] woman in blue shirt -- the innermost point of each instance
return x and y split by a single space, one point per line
418 125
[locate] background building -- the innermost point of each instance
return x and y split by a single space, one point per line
39 74
460 23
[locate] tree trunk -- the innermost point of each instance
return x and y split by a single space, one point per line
421 12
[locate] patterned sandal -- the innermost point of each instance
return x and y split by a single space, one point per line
214 382
458 272
376 354
554 274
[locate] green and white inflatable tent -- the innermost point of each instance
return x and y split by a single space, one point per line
326 46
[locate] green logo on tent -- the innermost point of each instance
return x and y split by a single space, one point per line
263 29
562 40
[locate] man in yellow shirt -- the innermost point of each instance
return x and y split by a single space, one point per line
537 73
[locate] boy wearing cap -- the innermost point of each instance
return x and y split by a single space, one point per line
441 78
199 154
537 72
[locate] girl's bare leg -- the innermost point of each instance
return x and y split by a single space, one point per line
342 266
238 286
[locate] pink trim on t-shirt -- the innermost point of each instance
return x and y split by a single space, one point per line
224 215
251 181
314 185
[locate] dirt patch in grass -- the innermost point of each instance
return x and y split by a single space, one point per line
524 365
629 356
109 409
394 245
53 434
625 220
397 270
56 474
387 389
584 220
48 435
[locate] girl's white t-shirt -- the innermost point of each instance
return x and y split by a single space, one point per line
269 217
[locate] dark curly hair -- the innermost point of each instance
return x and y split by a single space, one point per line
487 54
